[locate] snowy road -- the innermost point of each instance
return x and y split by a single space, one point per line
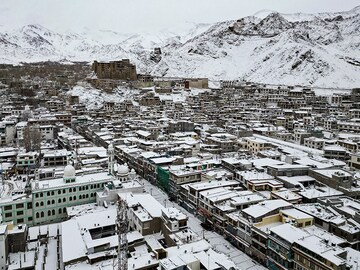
219 243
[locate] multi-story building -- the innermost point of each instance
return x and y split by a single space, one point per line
349 126
173 221
118 70
3 246
314 142
27 162
354 161
189 193
315 252
46 200
56 158
281 239
180 175
335 178
256 145
336 152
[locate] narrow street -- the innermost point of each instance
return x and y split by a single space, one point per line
218 242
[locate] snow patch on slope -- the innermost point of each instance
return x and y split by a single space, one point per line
308 49
94 98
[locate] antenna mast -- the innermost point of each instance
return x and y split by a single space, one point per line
122 229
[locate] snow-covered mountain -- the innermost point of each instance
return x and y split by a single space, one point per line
307 49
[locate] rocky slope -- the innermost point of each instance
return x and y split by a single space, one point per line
307 49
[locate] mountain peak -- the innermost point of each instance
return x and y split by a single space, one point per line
34 27
261 14
270 47
356 9
273 24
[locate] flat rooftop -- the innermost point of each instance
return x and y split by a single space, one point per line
80 180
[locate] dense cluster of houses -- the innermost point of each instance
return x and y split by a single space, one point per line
273 169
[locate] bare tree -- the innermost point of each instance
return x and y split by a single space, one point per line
27 138
35 138
25 115
32 138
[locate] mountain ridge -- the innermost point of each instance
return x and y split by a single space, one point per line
318 49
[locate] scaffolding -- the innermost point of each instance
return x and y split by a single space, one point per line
163 179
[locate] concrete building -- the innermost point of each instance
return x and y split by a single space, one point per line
256 145
314 142
335 178
3 246
46 200
354 161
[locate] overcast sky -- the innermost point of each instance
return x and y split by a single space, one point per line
133 16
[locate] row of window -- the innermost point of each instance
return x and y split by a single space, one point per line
61 158
18 206
70 190
20 163
50 213
63 200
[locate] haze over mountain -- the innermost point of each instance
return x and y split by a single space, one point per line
307 49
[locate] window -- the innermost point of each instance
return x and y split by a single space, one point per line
37 204
59 192
29 205
29 218
8 215
53 212
37 215
8 207
20 220
19 213
42 214
41 203
49 212
52 193
20 205
64 200
48 193
52 201
60 211
48 202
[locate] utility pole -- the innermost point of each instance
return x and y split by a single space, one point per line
122 225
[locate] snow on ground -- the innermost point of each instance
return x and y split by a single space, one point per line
330 92
218 242
293 148
94 98
182 95
312 50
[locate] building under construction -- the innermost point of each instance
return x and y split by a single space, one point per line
116 70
